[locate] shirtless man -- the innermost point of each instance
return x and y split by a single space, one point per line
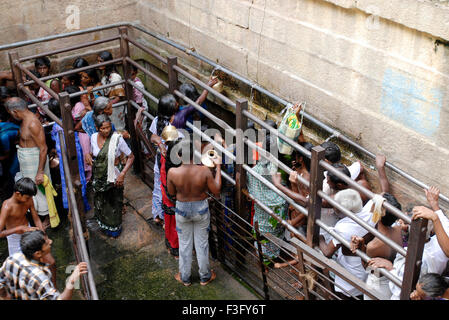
13 214
374 247
189 184
13 218
32 150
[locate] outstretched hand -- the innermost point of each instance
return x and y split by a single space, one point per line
356 243
212 81
432 195
380 263
380 160
276 178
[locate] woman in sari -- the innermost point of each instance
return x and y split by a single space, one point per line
108 175
267 224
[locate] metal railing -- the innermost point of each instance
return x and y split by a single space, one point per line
316 223
244 249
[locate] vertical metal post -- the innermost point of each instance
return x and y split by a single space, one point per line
316 183
172 74
262 265
302 270
69 137
413 258
240 179
16 72
131 111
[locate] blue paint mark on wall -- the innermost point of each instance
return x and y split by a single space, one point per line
413 103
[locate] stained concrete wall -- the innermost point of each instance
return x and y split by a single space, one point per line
30 19
377 70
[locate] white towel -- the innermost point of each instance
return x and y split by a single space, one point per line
111 156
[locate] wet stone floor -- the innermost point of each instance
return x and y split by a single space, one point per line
136 266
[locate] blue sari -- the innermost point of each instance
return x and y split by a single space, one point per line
79 155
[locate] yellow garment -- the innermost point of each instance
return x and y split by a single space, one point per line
50 192
378 211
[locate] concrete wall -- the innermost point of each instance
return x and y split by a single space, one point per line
30 19
377 70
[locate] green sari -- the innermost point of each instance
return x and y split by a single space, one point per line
108 199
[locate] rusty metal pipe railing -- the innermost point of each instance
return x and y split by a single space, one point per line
112 84
205 86
360 253
363 224
78 233
365 191
144 92
76 47
36 79
229 72
40 104
69 72
149 73
146 50
65 35
278 99
328 167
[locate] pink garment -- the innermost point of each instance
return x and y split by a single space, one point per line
43 96
77 114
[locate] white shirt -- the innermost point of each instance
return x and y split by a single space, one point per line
122 147
433 255
346 228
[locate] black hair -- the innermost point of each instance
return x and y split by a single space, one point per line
4 92
53 106
168 160
71 77
332 153
42 61
71 90
35 73
343 169
25 186
271 143
389 218
296 154
433 284
107 56
189 91
32 241
166 108
92 74
79 63
100 119
271 123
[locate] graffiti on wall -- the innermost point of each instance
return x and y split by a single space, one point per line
411 102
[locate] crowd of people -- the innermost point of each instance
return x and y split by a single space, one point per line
34 188
370 211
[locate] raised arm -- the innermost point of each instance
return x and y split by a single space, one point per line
383 180
422 212
203 96
214 183
297 197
